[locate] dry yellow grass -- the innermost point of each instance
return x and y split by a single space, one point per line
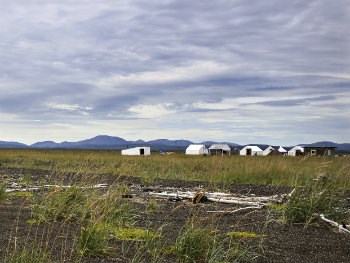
276 170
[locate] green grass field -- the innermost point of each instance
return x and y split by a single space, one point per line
275 170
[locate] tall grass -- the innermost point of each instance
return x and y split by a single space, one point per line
198 243
275 170
306 203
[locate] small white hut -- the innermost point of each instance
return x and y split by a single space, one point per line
296 151
220 149
196 149
268 150
283 150
251 150
137 151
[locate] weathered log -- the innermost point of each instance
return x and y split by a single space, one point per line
223 198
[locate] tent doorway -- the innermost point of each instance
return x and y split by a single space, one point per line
248 151
142 151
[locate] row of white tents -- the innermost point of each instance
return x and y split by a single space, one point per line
224 149
271 150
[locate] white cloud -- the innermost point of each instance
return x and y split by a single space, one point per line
191 68
67 107
152 111
196 70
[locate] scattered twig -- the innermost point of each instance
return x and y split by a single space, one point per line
342 228
237 210
47 186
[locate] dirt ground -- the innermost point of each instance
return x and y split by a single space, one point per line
281 242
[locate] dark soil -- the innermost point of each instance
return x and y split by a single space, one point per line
281 242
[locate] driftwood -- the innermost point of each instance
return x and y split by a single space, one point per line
342 228
16 188
237 210
226 198
253 202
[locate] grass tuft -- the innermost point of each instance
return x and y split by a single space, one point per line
315 198
25 256
94 241
3 194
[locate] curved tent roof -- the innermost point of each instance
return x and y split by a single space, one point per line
223 147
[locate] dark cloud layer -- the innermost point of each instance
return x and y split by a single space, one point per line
226 70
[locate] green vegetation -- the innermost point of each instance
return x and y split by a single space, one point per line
24 256
21 194
59 204
245 235
275 170
133 234
316 198
194 244
101 218
94 240
3 194
203 244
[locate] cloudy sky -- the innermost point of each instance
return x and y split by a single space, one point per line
230 70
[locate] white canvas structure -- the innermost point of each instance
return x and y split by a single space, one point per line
251 150
137 151
220 149
268 150
295 151
282 150
196 149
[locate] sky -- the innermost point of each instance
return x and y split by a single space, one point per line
275 72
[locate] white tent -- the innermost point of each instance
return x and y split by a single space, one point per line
251 150
220 149
137 151
268 150
296 150
196 149
282 151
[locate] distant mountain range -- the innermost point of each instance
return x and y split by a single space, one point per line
12 145
117 143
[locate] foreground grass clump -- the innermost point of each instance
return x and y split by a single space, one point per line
25 256
95 211
3 194
59 204
94 240
316 198
202 244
